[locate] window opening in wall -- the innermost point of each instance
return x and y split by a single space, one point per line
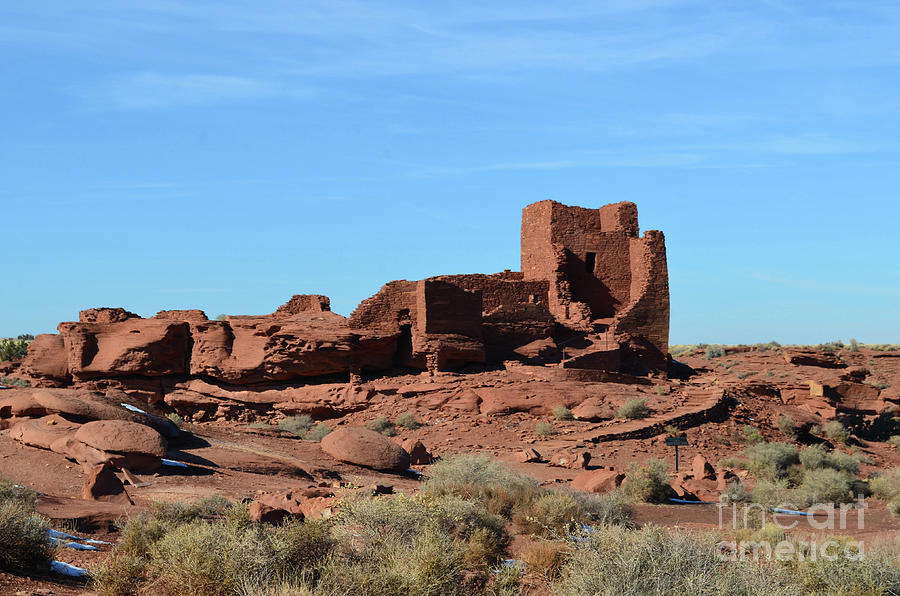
589 260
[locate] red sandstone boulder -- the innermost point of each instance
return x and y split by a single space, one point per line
529 456
42 432
89 457
702 469
120 436
105 315
365 448
47 360
102 484
17 402
594 409
418 453
598 481
540 351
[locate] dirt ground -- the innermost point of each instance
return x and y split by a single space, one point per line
240 462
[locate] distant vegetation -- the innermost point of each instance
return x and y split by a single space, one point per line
713 351
13 349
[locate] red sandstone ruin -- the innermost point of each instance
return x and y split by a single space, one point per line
592 294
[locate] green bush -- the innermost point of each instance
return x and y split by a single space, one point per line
633 409
562 413
478 477
382 425
614 561
297 425
545 429
836 431
648 483
14 382
771 461
887 485
317 432
787 426
770 493
24 542
714 352
408 420
813 457
823 486
877 572
751 435
13 349
736 492
895 441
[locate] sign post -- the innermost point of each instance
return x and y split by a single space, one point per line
677 442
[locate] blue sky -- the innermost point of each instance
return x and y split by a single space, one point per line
163 154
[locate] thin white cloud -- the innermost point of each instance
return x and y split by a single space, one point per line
149 90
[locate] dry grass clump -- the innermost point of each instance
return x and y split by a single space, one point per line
787 426
24 542
648 483
408 420
545 429
303 426
382 425
562 413
634 409
621 562
836 431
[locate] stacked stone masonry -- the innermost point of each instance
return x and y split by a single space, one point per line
591 294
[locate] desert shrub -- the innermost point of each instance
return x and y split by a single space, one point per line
317 432
672 430
608 509
119 574
382 425
24 542
854 345
648 483
836 431
408 420
751 436
660 390
787 426
10 491
546 558
813 457
478 477
878 572
296 425
180 513
175 418
894 507
545 429
823 486
222 317
653 560
771 461
770 493
13 349
895 441
714 352
551 514
736 492
562 413
208 558
634 408
887 485
14 382
844 462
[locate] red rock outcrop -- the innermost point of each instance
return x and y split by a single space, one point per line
592 295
